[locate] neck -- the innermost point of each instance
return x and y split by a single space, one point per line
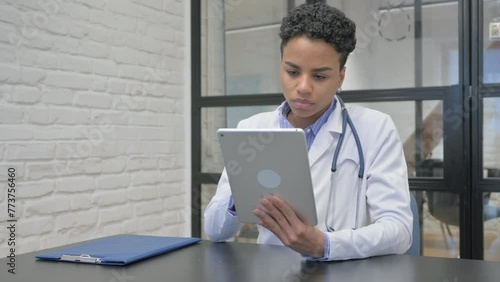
298 122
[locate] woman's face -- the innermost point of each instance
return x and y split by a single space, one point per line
310 77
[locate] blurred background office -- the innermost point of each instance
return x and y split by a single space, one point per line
432 65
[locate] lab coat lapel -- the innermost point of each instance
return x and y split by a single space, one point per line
327 135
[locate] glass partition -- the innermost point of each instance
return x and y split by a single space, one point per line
491 41
241 45
388 55
430 146
491 137
253 61
491 226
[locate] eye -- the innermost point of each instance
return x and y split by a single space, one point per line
293 72
319 77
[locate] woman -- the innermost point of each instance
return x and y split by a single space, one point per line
358 217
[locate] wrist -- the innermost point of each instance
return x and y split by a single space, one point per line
320 244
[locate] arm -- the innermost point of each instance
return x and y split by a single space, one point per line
388 220
221 224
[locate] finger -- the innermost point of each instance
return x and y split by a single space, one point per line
263 215
278 216
285 208
267 221
294 225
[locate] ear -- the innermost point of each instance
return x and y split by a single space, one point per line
342 76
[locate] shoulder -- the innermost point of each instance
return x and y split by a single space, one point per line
372 124
369 117
261 120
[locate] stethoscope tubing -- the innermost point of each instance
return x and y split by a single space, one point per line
346 119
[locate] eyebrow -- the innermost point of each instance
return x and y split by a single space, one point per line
315 70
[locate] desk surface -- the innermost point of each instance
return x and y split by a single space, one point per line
207 261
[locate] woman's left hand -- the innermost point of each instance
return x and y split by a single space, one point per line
293 233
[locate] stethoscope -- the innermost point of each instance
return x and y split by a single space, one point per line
346 120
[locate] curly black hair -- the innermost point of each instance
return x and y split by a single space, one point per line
320 21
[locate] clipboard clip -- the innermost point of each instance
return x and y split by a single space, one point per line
80 258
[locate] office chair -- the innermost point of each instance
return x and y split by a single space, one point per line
444 206
414 249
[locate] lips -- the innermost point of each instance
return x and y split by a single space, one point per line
302 104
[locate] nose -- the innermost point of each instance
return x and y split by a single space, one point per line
304 85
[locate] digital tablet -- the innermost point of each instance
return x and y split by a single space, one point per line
260 162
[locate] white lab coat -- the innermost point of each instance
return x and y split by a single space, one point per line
371 216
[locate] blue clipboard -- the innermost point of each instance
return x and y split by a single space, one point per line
118 250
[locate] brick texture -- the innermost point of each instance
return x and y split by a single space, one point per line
89 106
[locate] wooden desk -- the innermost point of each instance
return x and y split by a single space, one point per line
207 261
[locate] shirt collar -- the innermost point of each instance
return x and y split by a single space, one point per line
284 109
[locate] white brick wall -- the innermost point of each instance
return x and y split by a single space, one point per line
92 114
